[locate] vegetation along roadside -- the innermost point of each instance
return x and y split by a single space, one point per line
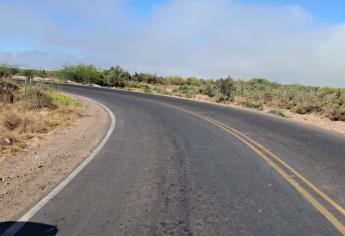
290 101
257 93
28 111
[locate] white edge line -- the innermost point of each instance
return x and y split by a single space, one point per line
29 214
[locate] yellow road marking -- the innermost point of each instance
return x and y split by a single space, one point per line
307 182
315 203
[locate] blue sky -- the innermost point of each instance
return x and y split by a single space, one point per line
329 11
282 40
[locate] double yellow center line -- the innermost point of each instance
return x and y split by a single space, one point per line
276 163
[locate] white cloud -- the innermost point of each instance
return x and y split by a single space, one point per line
208 38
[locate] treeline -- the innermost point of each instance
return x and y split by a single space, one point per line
7 71
255 93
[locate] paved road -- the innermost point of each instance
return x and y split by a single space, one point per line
170 168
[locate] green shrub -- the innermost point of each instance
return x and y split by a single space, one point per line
59 99
193 81
187 90
209 89
117 77
303 108
139 77
154 79
336 113
175 80
254 104
81 73
226 88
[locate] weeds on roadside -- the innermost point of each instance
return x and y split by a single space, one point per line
24 115
256 93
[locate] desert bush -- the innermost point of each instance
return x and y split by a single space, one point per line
7 91
308 101
303 108
193 81
81 73
175 80
209 89
131 84
11 120
139 77
154 79
336 112
226 88
37 99
116 76
283 98
187 90
256 104
184 88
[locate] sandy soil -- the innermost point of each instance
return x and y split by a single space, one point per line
311 119
323 122
27 177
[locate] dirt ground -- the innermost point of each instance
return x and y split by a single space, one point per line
25 178
323 122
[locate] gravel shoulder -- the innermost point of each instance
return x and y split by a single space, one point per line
25 178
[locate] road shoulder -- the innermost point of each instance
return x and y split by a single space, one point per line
27 177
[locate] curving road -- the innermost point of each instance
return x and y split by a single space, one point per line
178 167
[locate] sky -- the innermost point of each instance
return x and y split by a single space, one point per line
282 40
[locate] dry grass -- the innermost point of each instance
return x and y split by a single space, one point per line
33 115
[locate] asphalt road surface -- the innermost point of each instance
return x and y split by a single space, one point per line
178 167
